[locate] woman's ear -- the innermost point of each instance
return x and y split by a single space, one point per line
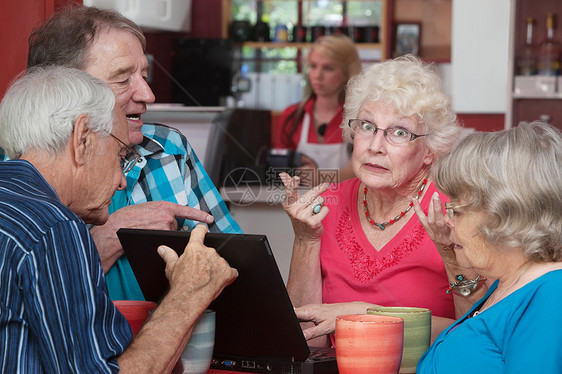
429 157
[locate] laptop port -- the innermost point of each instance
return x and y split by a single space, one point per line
248 364
229 363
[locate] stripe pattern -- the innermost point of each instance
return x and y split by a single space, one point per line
55 312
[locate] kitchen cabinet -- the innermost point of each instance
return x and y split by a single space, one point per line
526 104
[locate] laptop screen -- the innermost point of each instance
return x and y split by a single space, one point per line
254 317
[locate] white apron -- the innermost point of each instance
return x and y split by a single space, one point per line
326 156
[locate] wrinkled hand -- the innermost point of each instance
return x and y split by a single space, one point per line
157 215
200 271
434 224
307 226
324 316
153 215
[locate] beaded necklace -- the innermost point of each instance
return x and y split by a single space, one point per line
383 225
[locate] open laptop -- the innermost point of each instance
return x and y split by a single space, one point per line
256 326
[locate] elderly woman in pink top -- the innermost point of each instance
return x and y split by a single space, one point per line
359 243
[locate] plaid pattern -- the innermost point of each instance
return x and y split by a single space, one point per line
169 171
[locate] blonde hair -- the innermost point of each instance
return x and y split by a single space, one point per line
340 50
515 177
414 89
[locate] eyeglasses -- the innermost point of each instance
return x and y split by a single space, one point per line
450 209
131 158
394 135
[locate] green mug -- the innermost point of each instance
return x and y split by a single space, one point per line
417 332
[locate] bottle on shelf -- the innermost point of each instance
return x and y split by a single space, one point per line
549 51
527 58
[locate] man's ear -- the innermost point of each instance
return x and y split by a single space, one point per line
82 140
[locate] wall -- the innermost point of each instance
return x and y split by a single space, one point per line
435 20
480 55
469 59
17 20
205 23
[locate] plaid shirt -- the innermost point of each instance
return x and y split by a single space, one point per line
169 171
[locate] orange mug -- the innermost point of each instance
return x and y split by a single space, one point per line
369 344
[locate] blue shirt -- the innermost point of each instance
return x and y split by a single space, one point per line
55 313
169 171
522 333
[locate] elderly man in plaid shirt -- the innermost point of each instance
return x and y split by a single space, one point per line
167 187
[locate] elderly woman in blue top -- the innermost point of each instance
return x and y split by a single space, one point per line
167 188
66 138
505 220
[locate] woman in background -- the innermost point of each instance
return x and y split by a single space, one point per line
312 127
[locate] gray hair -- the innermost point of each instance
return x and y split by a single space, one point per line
66 37
39 110
515 177
414 89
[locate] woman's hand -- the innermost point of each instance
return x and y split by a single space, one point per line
434 224
324 316
307 211
438 230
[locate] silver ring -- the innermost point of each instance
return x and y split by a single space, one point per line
316 208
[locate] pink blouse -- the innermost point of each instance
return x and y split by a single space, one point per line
407 271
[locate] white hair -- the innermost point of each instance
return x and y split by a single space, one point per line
414 88
40 109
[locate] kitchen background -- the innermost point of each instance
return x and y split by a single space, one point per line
468 40
475 45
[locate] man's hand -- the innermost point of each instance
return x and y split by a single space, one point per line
196 278
200 270
153 215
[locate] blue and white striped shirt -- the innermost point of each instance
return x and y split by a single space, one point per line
55 312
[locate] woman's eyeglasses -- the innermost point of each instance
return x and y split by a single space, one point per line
394 135
452 210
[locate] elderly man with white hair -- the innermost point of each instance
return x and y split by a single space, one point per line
67 140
